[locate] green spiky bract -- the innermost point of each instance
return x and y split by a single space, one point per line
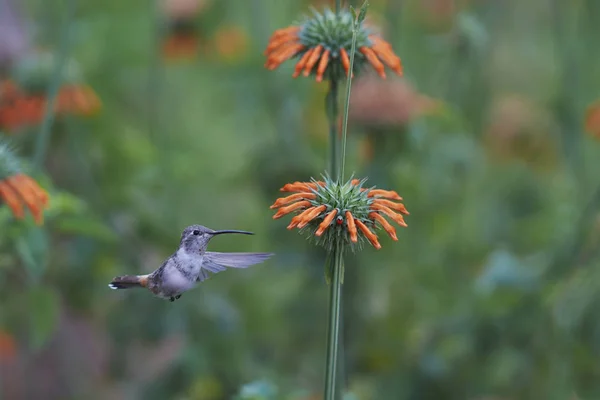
9 162
343 196
333 32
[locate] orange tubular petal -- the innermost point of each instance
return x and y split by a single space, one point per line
274 43
28 195
394 206
372 58
302 63
345 60
314 185
12 200
41 194
390 194
295 187
355 182
312 215
388 57
314 57
300 217
293 197
283 53
351 227
390 213
296 220
378 41
285 31
371 237
386 225
322 66
286 210
325 224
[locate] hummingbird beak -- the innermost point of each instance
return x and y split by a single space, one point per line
231 231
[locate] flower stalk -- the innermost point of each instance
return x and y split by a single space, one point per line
333 330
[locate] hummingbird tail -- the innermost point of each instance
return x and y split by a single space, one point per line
129 282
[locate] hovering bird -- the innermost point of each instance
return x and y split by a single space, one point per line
189 265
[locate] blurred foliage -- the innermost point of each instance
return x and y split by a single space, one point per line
491 293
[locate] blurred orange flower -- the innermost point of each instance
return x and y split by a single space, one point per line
230 42
180 46
592 120
8 346
323 45
345 211
19 191
19 108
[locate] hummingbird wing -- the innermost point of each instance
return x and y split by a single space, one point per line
217 262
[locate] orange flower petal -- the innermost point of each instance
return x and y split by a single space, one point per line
355 182
12 199
310 216
313 185
388 57
345 60
285 31
394 206
282 54
314 57
386 225
296 196
351 227
371 237
274 43
322 66
28 195
41 194
302 63
372 58
387 211
295 187
390 194
286 210
296 220
326 221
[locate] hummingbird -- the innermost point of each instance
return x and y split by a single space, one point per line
189 265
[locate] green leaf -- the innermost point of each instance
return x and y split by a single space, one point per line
353 12
43 307
363 12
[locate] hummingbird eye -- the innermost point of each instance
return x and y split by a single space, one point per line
196 232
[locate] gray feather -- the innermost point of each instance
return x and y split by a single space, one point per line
203 275
217 262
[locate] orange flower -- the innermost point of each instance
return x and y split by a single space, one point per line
19 191
592 120
18 108
231 43
180 46
346 211
323 44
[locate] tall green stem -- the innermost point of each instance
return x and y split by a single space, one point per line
347 103
332 114
43 138
335 296
338 6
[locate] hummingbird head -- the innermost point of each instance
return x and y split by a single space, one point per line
195 238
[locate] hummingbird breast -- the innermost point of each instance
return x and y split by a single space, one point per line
178 274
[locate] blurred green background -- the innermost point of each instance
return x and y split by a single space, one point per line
491 293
